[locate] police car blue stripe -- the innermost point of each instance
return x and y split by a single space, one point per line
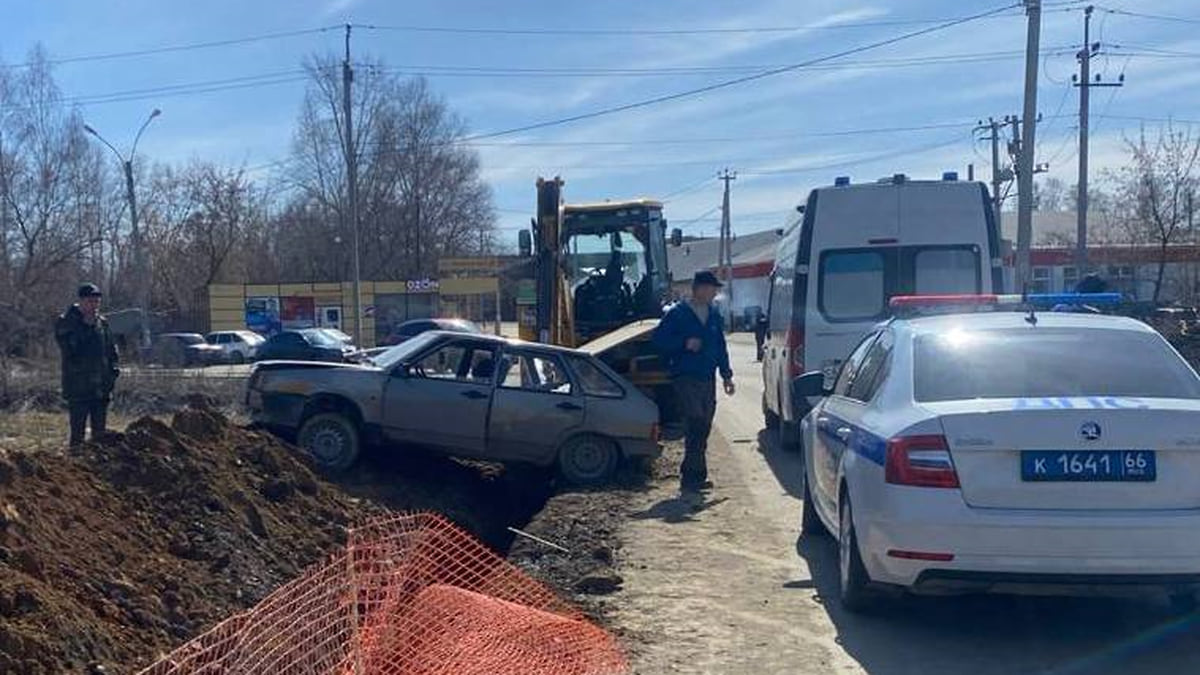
861 442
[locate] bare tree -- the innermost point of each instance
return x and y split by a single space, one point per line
1050 195
1154 190
197 219
54 198
420 193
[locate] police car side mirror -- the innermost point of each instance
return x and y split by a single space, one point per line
810 385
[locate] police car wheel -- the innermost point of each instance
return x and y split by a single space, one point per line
854 584
810 522
331 439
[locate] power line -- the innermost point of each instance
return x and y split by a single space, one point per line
598 71
853 162
178 48
168 91
657 31
1144 15
740 80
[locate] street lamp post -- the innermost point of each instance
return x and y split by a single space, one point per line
141 252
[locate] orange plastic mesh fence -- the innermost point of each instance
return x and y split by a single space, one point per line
410 595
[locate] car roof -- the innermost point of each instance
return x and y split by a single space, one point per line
1014 319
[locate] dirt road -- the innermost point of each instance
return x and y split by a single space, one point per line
726 588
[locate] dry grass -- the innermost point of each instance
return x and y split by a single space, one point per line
33 431
33 416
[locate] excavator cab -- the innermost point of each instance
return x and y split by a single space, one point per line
614 256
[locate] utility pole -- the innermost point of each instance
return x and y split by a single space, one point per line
1033 9
998 174
1085 84
352 188
727 244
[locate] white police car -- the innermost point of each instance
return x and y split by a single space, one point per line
1000 450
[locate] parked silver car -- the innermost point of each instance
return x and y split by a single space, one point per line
238 346
471 395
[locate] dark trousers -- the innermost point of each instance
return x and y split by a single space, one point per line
80 411
697 400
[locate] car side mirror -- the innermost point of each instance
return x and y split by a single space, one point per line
677 237
811 384
400 371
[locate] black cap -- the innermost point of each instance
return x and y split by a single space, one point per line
706 278
89 291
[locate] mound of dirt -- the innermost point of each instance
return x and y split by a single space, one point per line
116 553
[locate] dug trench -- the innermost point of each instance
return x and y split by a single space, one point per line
112 555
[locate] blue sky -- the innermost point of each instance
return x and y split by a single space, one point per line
776 131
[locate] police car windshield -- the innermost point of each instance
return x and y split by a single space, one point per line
1048 362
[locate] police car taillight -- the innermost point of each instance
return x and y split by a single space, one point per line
920 461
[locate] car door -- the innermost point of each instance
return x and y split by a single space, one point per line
441 398
834 430
536 406
293 346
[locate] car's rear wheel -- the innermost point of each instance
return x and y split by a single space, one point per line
331 439
810 522
588 460
854 584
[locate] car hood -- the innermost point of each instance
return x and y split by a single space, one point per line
624 334
309 365
204 347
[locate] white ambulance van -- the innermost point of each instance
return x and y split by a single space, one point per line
850 249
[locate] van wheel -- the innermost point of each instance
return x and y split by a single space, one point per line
854 584
789 436
770 417
588 460
331 439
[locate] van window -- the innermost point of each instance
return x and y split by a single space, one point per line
852 285
948 270
783 281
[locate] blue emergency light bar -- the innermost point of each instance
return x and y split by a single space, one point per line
1005 300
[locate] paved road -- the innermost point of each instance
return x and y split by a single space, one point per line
728 589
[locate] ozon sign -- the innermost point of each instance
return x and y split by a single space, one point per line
421 285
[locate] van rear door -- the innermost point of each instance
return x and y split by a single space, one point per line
855 230
951 218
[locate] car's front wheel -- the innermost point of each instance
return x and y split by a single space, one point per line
331 439
854 584
239 358
588 460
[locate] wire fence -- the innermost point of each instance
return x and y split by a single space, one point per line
409 595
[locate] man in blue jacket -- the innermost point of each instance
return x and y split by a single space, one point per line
691 337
